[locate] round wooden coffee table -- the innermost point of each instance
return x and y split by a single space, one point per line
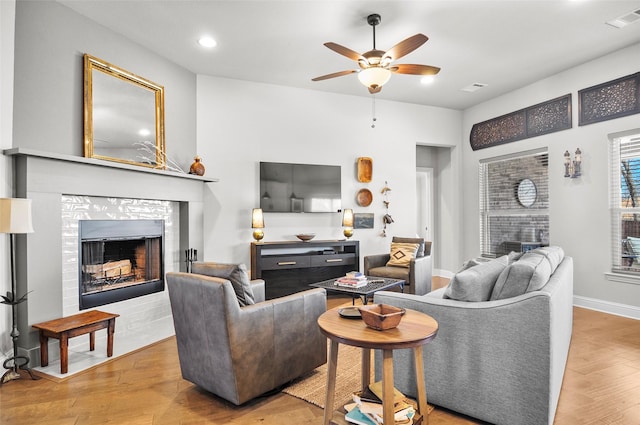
415 330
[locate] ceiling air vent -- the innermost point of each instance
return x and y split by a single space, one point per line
626 19
474 87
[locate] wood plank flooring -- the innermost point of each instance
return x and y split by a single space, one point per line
601 386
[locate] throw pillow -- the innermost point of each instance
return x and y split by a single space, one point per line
530 273
420 241
402 254
234 273
476 283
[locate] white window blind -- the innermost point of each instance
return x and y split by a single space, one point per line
625 203
503 219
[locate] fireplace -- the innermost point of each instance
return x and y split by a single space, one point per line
119 259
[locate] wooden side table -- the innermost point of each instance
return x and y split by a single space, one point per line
415 330
67 327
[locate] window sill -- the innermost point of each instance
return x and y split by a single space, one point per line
633 279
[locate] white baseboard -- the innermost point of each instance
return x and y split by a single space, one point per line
618 309
443 273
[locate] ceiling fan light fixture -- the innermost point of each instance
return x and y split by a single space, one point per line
374 77
428 79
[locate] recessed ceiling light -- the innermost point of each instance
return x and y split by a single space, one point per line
207 41
427 79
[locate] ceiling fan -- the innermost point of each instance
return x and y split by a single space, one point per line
376 65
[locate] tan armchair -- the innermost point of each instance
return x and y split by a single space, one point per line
417 276
239 353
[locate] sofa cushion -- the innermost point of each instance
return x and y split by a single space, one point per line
554 255
234 273
420 241
402 253
476 283
391 272
530 273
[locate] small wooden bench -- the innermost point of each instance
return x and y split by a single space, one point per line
67 327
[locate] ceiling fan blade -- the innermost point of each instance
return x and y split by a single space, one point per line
405 47
344 51
406 68
334 75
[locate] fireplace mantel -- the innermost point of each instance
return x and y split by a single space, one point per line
102 163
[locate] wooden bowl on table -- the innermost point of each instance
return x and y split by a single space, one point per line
381 316
305 237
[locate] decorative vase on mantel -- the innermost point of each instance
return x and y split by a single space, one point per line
197 167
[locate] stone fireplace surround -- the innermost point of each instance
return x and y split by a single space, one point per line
57 184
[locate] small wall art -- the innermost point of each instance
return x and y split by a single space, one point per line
363 220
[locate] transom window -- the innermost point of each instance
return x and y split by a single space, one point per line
625 203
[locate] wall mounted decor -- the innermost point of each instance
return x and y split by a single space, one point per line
364 197
543 118
610 100
572 167
363 220
365 169
123 116
386 219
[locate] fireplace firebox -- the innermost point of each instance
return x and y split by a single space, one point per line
119 259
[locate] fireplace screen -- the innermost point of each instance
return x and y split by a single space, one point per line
120 259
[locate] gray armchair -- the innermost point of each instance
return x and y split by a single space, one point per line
239 353
417 276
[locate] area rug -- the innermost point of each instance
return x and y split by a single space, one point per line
312 387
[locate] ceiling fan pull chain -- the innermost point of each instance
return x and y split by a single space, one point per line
373 111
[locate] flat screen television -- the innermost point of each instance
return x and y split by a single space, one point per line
300 188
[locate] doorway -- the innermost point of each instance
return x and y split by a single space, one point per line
424 203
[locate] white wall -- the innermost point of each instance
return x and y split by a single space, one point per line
242 123
50 40
7 26
579 214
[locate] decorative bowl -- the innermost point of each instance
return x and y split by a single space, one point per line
381 316
305 237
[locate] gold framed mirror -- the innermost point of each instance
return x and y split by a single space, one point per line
123 116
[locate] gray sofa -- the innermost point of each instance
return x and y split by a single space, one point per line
500 361
239 353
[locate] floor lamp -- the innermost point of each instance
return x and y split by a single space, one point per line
15 217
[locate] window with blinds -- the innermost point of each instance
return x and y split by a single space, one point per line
505 223
625 203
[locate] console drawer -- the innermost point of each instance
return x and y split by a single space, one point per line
285 262
332 260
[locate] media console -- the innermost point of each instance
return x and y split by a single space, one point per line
289 267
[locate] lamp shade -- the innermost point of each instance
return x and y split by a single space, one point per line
347 217
15 215
257 219
374 76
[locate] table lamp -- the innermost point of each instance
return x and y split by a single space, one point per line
15 218
347 222
257 223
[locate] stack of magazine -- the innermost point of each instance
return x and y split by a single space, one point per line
352 280
366 408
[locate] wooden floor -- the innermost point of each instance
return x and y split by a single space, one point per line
601 386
